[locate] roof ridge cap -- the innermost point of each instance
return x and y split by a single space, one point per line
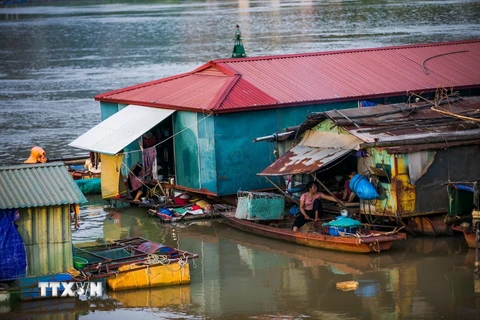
343 51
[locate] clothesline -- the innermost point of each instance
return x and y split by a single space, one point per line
193 124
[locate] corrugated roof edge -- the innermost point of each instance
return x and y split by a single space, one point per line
63 189
306 54
101 96
283 105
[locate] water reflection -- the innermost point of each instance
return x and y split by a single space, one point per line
240 276
48 79
177 297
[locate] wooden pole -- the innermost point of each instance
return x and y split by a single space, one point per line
476 246
286 194
434 138
323 186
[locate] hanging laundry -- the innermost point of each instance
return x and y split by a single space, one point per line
149 156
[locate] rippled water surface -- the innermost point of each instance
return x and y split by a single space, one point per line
241 276
55 56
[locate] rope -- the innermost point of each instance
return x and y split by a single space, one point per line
436 56
170 137
154 259
377 250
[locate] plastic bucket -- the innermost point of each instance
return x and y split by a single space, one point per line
335 231
79 262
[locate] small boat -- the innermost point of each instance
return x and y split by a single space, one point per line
125 264
166 217
367 241
469 235
135 263
187 213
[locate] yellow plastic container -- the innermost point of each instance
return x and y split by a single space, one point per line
202 204
139 276
347 285
193 200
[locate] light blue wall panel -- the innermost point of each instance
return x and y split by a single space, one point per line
238 159
185 129
108 109
206 145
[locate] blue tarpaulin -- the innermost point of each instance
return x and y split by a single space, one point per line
464 187
365 103
13 258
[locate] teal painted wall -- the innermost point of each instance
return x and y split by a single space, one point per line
206 147
185 128
238 159
217 153
108 109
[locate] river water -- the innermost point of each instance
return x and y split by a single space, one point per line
55 56
241 276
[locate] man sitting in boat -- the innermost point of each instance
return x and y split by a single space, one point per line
310 205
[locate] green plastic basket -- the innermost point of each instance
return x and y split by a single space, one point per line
79 263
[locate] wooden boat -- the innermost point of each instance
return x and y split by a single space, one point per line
125 264
187 217
469 235
136 263
370 241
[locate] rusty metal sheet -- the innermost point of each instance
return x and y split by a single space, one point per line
316 150
303 159
403 122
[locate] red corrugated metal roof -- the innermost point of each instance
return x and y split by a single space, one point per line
229 85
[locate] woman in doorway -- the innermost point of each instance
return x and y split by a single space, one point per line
348 194
310 205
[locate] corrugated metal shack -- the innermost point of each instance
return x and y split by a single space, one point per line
42 193
215 111
413 150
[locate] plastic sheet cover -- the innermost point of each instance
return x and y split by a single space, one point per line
13 258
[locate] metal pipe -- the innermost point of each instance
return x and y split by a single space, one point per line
273 136
431 138
476 247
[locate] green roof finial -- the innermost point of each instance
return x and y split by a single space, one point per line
238 50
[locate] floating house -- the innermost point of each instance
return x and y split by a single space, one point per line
35 221
204 121
411 152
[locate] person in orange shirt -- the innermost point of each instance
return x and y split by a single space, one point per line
37 155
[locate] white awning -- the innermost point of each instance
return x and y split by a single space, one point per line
316 150
119 130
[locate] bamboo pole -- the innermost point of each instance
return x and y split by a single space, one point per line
434 138
286 194
323 186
